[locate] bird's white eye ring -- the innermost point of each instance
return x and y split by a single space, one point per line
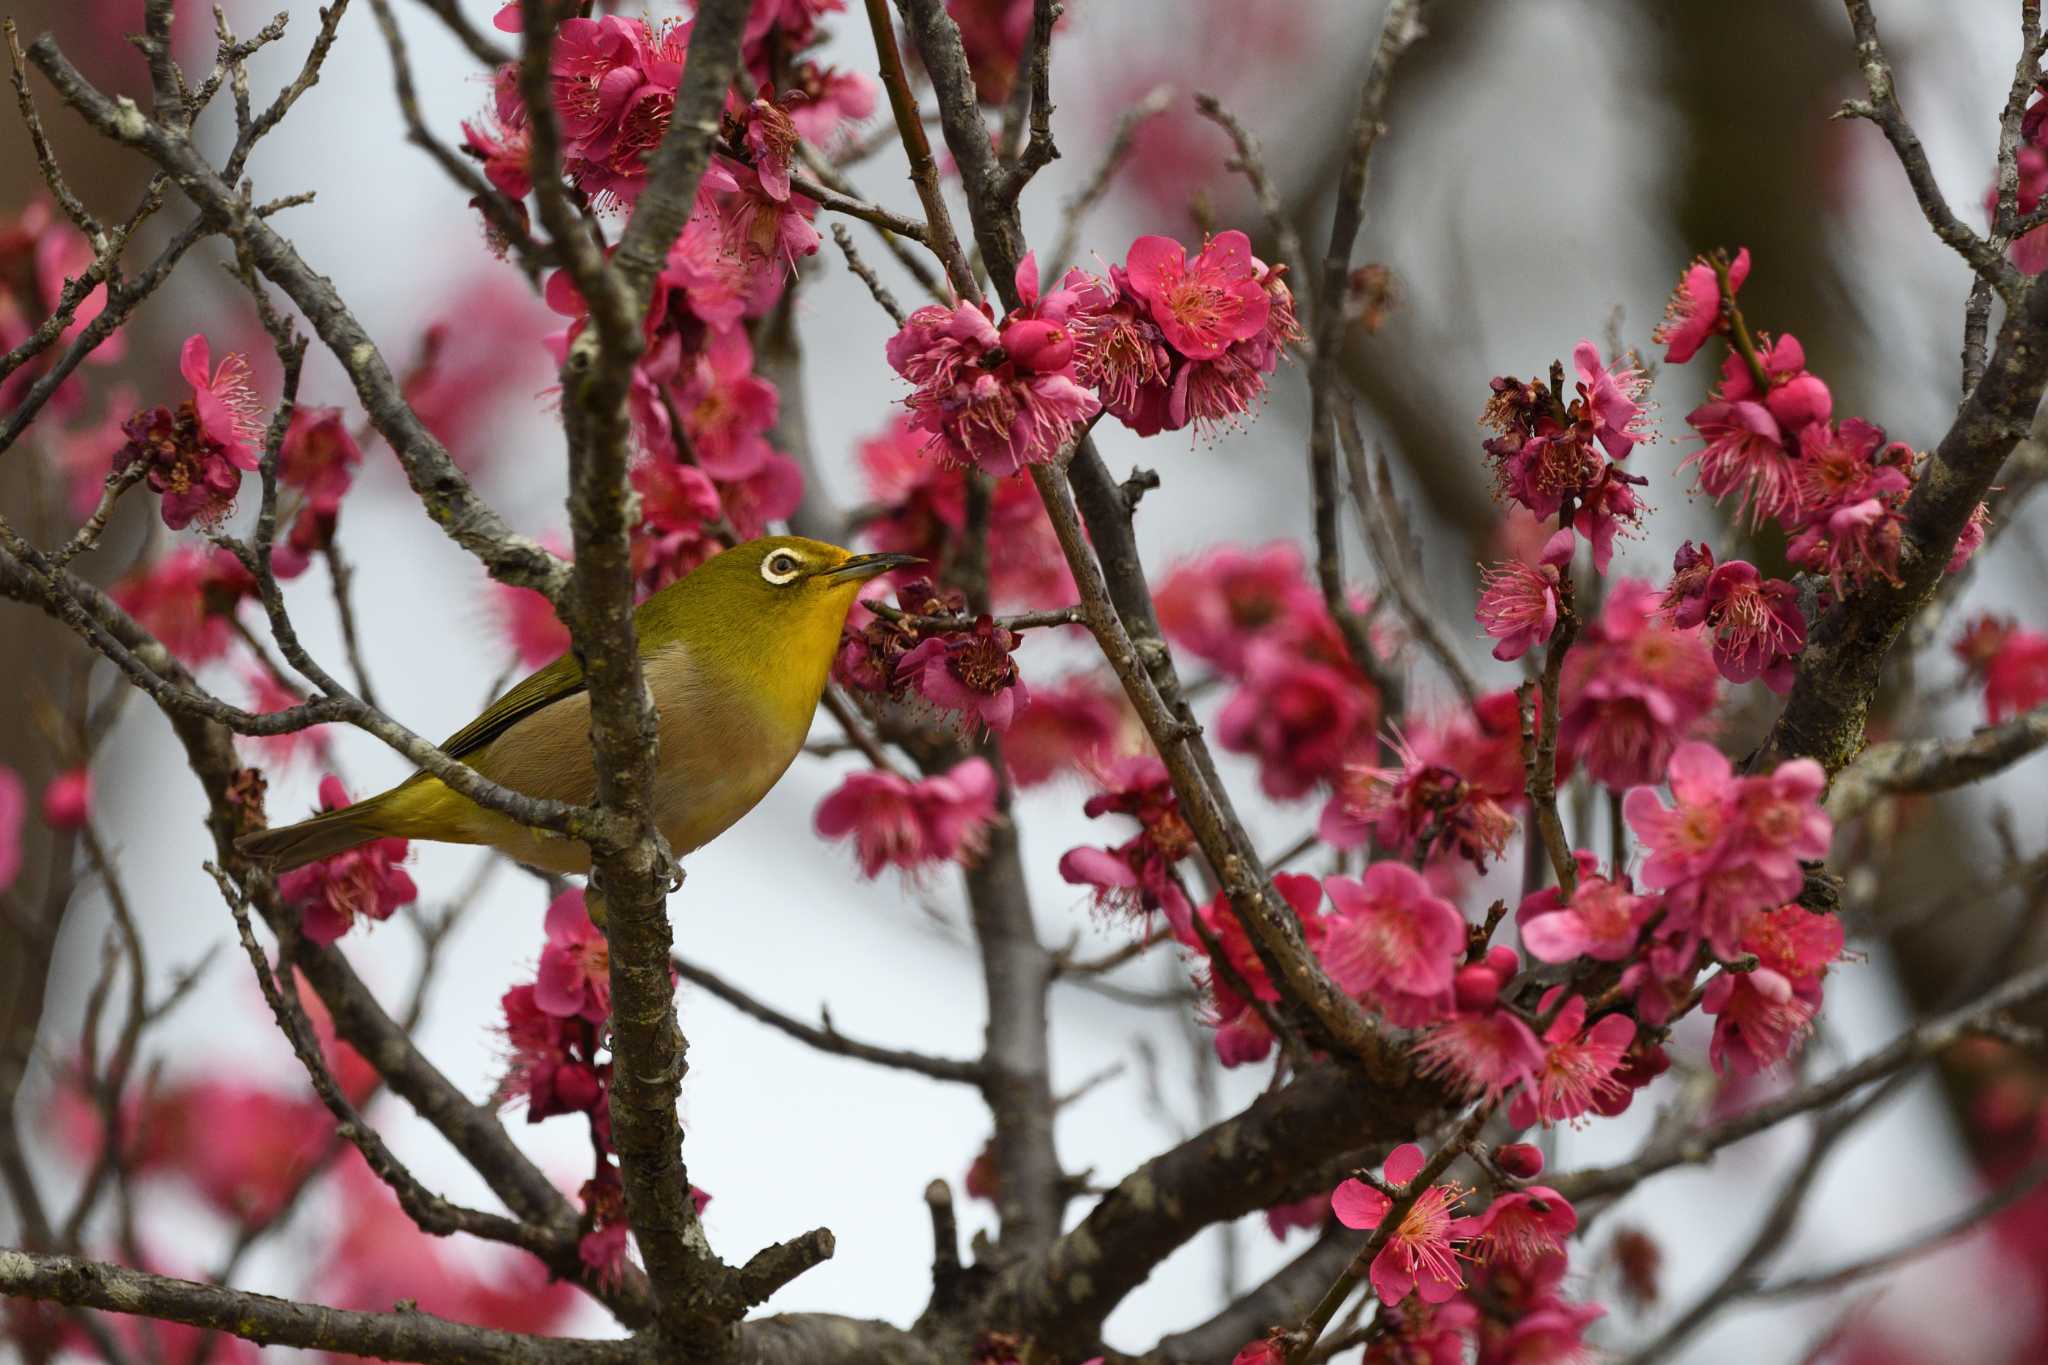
781 568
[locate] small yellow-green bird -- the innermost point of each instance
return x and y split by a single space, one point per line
736 655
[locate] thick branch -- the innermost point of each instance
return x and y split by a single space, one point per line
1290 1143
407 1335
1845 653
1900 766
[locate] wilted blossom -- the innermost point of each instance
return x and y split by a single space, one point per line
995 398
912 825
1762 1015
1602 919
331 893
2010 662
1069 724
196 453
1694 311
1423 1253
187 599
1139 873
1460 776
1728 845
575 967
1633 688
1393 942
1518 602
970 672
1757 626
1578 1075
1170 341
1550 456
67 800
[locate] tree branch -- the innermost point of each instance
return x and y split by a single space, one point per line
409 1335
825 1037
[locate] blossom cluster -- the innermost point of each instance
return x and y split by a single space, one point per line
702 415
556 1031
967 673
242 1149
1165 342
1769 440
1300 705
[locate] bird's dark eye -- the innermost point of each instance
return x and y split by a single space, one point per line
781 567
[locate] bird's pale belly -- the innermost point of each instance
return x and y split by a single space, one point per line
718 757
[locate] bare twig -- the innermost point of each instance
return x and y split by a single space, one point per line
825 1037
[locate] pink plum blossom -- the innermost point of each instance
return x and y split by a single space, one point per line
1393 941
1694 312
1423 1253
366 881
912 825
575 967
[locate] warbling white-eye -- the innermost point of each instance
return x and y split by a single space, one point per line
736 655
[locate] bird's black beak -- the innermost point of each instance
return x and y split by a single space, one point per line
867 566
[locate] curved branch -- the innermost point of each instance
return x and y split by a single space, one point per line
828 1038
1288 1144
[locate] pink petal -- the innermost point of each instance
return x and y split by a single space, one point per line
1358 1205
1403 1162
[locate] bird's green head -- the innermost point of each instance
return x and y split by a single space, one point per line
790 590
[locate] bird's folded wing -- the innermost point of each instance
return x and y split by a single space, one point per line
562 678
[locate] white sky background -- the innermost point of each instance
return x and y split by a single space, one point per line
787 1139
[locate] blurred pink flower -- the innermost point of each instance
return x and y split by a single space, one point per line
366 881
912 825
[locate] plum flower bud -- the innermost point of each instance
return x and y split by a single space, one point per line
67 801
1476 988
1522 1160
1040 346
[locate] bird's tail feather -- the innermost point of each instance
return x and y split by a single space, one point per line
323 836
